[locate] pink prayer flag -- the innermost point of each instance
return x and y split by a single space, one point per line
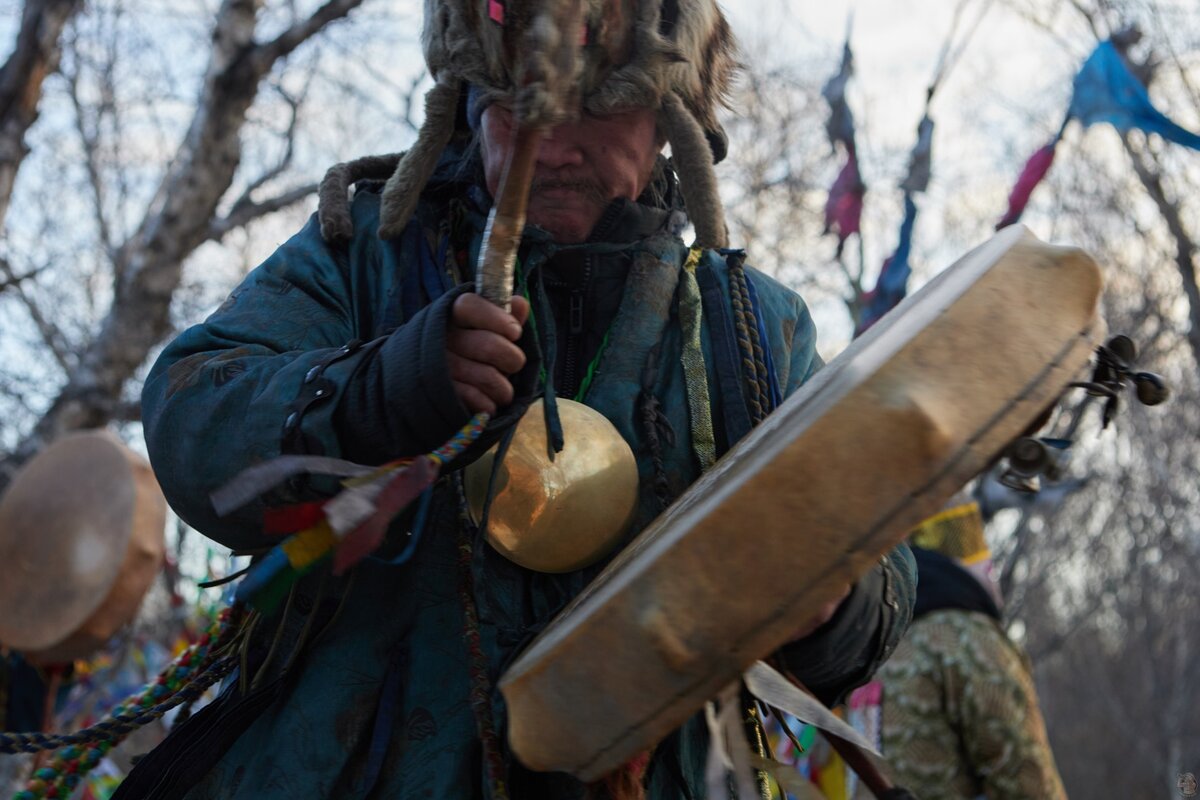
843 209
405 487
1035 169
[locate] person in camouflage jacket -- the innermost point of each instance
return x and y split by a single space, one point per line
960 712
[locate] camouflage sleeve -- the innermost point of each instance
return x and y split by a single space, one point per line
1001 726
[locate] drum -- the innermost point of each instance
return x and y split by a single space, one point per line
81 540
809 500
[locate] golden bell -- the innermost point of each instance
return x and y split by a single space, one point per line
560 515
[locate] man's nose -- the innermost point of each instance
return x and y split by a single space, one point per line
559 148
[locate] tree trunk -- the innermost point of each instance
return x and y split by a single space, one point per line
35 56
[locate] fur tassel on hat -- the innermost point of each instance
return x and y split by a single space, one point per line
402 190
693 164
333 207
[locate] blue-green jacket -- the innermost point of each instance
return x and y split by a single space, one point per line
361 685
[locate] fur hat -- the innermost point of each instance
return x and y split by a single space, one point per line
676 56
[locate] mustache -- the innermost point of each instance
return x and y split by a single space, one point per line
584 186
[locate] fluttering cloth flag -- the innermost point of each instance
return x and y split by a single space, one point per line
1035 169
1106 90
892 284
840 126
843 209
920 161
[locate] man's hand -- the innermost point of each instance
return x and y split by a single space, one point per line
481 351
822 615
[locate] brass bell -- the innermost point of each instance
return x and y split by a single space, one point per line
560 515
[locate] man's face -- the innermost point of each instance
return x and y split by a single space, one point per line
581 167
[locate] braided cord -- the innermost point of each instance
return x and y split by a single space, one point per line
759 391
743 320
751 323
481 685
465 437
183 681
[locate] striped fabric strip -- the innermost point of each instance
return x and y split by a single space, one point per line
694 371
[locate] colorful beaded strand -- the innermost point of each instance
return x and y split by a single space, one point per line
187 677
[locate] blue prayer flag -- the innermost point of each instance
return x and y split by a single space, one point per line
892 285
1107 91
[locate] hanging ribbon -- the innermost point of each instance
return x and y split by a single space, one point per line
843 209
920 161
349 526
840 125
1035 170
892 285
1106 90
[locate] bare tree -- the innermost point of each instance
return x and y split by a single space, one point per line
182 216
144 238
775 178
1102 588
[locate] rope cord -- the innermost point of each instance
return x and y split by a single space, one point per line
757 381
949 55
481 685
746 327
182 682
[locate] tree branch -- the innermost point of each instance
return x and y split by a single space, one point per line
34 56
1149 174
89 139
11 280
51 336
289 137
246 212
282 45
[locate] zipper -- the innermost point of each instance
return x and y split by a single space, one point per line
572 349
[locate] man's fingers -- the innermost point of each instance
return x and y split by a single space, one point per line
484 377
485 347
480 351
520 309
472 311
